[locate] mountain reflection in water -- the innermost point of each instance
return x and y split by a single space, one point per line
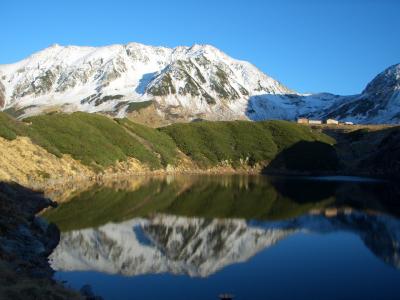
197 226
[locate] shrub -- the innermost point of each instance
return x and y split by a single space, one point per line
93 139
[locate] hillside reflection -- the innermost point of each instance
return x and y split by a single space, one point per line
197 225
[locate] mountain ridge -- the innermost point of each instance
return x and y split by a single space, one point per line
100 79
184 83
379 102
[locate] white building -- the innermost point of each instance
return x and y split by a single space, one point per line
332 121
302 120
315 122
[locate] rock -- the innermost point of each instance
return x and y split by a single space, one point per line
26 241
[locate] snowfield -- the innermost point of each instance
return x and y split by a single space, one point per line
186 82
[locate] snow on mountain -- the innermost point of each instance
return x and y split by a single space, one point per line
197 81
378 103
182 83
289 106
2 95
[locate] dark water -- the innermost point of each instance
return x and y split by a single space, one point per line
255 237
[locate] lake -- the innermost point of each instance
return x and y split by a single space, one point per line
256 237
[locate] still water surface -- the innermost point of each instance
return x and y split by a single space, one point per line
257 237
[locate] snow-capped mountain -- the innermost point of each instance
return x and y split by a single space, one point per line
2 95
182 83
378 103
201 247
197 81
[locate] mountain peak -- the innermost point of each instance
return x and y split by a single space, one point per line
388 80
55 45
199 81
182 84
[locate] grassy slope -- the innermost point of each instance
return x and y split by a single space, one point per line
209 143
93 139
9 128
371 150
99 141
158 141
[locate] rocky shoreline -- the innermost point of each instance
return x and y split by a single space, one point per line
52 187
26 241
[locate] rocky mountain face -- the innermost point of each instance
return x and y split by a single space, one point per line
175 84
378 103
2 95
187 82
201 247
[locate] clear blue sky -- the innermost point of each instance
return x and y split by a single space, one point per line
310 45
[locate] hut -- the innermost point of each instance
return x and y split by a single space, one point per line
332 121
315 122
302 120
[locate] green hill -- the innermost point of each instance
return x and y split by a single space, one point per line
99 141
209 143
